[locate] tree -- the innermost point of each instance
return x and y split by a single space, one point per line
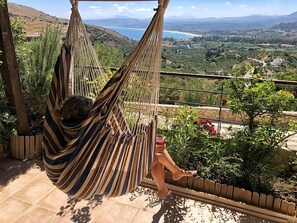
258 143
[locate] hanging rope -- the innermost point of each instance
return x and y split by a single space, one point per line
111 151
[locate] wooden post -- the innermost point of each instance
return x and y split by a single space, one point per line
224 190
10 72
255 198
248 197
269 202
218 188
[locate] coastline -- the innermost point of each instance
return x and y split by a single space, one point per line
173 32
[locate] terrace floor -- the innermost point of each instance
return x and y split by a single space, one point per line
26 195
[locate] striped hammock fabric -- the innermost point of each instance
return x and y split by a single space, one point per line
112 150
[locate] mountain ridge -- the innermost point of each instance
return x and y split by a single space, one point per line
211 23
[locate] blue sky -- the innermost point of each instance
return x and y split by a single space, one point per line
184 8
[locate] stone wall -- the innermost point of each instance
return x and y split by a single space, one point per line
214 113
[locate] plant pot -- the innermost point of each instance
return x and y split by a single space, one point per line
25 147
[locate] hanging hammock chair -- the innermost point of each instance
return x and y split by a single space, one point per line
112 150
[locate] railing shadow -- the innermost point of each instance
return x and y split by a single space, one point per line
175 209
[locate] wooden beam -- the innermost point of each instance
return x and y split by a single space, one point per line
117 0
10 72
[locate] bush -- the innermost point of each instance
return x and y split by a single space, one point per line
38 68
193 143
8 121
258 143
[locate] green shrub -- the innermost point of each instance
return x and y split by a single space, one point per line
8 121
193 143
180 134
38 68
258 143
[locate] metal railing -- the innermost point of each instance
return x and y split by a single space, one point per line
218 93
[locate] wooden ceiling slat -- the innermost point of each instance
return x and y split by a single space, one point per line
118 0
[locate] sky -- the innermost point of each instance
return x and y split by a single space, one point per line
180 8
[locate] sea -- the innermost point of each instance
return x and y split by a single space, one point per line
137 33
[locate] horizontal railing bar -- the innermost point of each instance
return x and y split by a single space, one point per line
189 103
184 89
216 77
220 77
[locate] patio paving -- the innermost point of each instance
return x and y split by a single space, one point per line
27 195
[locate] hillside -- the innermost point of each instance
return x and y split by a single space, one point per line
35 20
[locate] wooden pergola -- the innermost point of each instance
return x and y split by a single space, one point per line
10 72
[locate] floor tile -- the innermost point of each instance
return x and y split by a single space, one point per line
135 198
3 197
16 184
75 210
152 205
42 176
143 217
169 209
36 215
54 200
115 212
34 191
33 171
11 208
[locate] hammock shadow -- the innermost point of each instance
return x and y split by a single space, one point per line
80 214
11 169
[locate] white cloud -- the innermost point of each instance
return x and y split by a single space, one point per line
228 3
94 7
180 7
120 8
193 7
143 10
242 6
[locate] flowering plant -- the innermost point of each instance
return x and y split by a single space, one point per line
207 125
224 101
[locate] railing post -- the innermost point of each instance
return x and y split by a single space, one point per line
220 111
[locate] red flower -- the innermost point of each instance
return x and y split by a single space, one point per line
294 93
214 132
224 101
202 121
208 121
286 90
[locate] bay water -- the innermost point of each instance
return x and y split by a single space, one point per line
137 33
